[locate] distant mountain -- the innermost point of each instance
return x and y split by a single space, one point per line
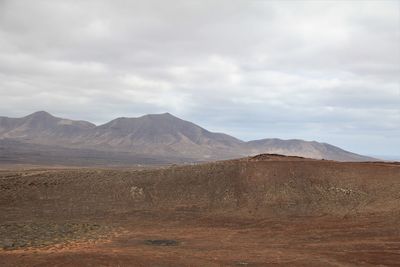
43 128
303 148
162 134
157 136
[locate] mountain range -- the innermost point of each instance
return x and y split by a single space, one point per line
155 138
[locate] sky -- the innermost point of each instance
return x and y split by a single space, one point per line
315 70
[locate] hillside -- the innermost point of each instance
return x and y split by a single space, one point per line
266 184
155 137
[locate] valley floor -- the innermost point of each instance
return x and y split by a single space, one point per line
366 240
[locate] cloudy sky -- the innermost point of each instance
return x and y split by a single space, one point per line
316 70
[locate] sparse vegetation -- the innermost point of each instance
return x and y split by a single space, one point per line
258 204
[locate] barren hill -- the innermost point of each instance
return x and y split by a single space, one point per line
266 185
154 136
302 148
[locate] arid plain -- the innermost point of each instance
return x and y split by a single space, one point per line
265 210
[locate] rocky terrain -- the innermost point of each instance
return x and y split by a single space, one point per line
258 211
41 138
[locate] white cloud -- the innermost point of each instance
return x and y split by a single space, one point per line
293 69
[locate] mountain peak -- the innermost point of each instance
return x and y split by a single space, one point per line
161 115
40 114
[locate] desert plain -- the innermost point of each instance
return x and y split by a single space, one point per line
267 210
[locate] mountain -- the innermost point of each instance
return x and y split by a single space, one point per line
160 137
43 128
162 134
303 148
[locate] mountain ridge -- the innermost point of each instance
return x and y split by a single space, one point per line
157 135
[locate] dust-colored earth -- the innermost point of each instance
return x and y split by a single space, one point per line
263 211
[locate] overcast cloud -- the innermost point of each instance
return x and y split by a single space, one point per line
316 70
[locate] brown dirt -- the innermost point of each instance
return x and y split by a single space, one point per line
262 211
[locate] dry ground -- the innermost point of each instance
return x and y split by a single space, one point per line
265 211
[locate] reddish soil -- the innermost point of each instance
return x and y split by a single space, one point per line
263 211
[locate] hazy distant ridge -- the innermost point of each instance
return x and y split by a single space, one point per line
153 136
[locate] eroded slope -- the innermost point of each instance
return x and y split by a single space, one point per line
262 187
